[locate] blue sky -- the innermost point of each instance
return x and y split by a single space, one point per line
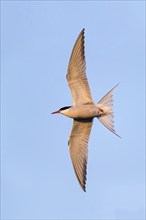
37 178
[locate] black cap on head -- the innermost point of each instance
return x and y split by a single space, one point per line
64 108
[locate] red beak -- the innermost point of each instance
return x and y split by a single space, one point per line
55 112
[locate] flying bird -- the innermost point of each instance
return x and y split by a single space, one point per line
83 110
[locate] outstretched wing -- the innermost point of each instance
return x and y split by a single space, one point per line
76 74
78 146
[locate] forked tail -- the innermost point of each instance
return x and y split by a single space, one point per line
106 116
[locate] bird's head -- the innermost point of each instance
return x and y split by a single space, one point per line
61 110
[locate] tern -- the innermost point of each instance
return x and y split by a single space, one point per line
83 110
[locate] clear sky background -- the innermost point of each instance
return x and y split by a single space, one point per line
38 181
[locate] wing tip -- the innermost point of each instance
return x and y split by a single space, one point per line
82 180
83 185
84 188
83 30
82 33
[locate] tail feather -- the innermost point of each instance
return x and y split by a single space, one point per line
106 103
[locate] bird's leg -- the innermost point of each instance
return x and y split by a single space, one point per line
101 111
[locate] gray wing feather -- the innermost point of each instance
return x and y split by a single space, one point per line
76 74
78 146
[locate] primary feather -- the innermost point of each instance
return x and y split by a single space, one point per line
76 74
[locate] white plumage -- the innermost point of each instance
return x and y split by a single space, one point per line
83 110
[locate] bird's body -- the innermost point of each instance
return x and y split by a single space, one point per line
83 110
